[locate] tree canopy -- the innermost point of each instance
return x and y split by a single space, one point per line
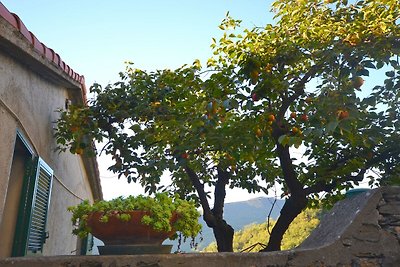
301 85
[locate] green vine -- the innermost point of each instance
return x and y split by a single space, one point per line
160 208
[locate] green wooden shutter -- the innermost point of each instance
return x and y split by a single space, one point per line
35 200
40 206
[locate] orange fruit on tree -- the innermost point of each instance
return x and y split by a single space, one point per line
342 114
258 132
358 82
74 129
304 117
271 117
268 67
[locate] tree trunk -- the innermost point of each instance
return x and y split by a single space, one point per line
297 200
292 207
223 234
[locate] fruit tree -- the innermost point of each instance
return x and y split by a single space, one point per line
310 103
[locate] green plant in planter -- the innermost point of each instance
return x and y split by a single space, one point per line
161 208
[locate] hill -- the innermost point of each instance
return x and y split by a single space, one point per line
239 214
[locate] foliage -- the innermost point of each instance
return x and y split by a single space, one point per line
166 120
160 208
170 121
308 71
296 86
253 234
300 228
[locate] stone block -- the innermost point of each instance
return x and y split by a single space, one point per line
391 192
389 220
367 262
392 208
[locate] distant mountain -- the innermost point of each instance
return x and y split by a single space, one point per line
240 214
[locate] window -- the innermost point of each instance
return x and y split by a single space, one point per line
30 232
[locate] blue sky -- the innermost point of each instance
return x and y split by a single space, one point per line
95 38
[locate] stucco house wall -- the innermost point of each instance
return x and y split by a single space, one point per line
34 84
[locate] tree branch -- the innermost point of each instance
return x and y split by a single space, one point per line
220 192
269 214
194 178
298 89
327 187
209 218
289 175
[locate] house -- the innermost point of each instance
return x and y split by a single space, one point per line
37 183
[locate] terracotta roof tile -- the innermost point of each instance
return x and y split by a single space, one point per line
47 52
56 57
8 16
37 44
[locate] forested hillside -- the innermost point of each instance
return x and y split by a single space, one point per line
255 233
239 214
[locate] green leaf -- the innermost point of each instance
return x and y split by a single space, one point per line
197 64
362 72
394 63
283 140
331 126
390 73
380 64
369 64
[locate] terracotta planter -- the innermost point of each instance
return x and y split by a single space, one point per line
133 232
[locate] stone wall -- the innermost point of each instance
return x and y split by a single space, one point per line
389 211
363 230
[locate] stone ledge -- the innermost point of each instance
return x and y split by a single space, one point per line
169 260
356 232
